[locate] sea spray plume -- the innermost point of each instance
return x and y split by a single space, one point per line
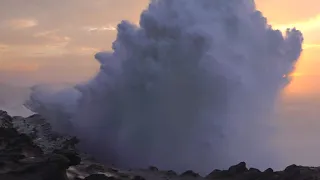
192 87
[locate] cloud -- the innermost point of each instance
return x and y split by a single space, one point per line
3 47
102 28
20 67
43 43
21 23
38 31
58 49
86 50
308 25
309 46
24 51
53 37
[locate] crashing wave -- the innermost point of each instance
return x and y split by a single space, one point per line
192 87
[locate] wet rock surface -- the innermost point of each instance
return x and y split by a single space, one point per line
21 158
30 150
37 128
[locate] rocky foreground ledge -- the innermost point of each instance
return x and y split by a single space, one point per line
30 150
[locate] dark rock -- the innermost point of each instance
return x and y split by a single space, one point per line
99 177
291 172
269 170
254 170
72 155
70 143
291 168
22 159
239 168
6 133
138 178
171 173
77 178
190 173
153 168
94 168
41 168
124 175
218 174
59 160
268 174
5 120
109 169
42 134
233 171
251 174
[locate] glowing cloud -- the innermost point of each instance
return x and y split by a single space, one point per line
102 28
310 46
3 47
52 35
21 23
311 24
19 67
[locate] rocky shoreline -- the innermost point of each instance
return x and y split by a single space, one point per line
30 150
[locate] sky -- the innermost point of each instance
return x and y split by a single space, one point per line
54 41
305 16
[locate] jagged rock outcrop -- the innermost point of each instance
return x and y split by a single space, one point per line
22 159
41 132
241 172
5 120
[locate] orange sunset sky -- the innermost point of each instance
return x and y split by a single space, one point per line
54 41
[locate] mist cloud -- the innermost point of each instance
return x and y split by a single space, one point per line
192 87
